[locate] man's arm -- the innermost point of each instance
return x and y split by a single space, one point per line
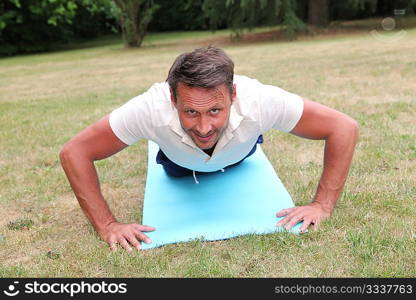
340 133
97 142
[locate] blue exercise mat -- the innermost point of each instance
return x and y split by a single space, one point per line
242 200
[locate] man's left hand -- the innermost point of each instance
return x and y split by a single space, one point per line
311 214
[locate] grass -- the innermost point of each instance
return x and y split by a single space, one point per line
46 99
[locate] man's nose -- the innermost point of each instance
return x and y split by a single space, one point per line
204 126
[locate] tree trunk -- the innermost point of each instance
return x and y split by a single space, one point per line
318 12
134 18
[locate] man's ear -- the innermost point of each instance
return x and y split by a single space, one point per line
172 97
234 95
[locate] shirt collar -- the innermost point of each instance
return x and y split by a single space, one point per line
234 122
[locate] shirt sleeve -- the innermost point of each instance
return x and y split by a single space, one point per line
279 109
132 121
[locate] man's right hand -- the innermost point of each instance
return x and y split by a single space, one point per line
97 142
127 235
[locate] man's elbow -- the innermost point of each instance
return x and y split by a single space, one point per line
70 152
65 154
352 127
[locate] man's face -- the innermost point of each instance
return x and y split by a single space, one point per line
203 113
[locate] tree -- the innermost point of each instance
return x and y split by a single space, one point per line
135 16
318 12
29 26
289 16
242 15
38 25
178 15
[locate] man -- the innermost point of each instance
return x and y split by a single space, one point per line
205 119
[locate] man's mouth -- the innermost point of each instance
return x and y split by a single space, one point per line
204 138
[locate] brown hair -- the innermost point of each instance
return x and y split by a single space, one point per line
204 67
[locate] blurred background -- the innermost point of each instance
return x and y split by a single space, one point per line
28 26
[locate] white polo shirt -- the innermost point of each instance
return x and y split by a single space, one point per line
256 109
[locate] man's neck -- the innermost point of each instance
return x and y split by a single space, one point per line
209 151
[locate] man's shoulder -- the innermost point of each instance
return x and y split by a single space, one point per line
152 105
247 92
247 88
242 80
161 107
159 92
252 89
155 98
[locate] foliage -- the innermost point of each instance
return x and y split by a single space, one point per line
352 8
358 9
239 15
242 15
293 24
178 15
36 25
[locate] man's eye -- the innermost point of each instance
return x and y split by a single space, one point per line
191 112
215 111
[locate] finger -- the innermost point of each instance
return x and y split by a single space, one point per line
283 221
143 237
293 221
288 217
133 241
316 225
285 211
113 245
305 225
146 228
293 212
123 242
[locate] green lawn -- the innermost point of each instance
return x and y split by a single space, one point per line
46 99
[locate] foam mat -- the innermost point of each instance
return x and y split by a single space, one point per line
242 200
